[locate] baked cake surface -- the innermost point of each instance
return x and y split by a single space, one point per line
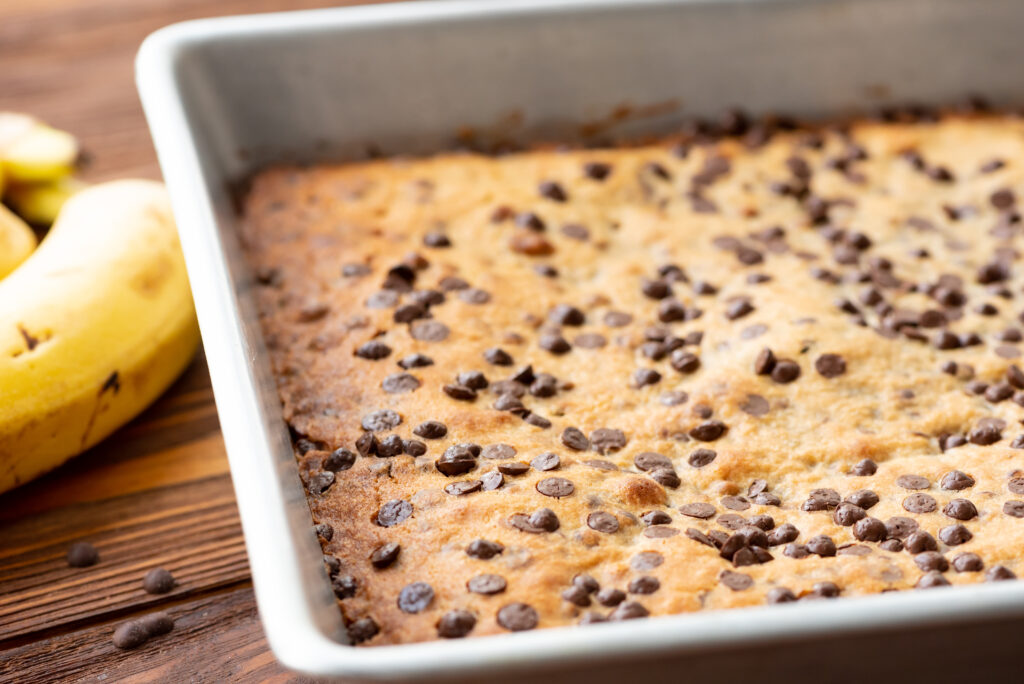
557 387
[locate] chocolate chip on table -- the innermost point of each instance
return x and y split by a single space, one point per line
393 512
373 350
415 597
555 487
158 581
968 562
385 555
456 624
131 634
363 629
416 361
956 480
603 522
999 573
821 545
920 503
736 581
785 371
82 555
830 365
156 624
518 617
607 440
864 468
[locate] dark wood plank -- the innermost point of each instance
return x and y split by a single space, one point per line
216 638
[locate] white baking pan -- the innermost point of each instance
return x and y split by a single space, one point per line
227 96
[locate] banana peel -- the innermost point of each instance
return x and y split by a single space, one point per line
94 326
16 241
40 203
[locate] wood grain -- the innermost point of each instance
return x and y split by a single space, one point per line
157 493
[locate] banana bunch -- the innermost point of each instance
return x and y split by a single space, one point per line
98 320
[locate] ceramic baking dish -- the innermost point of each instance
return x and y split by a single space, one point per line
227 96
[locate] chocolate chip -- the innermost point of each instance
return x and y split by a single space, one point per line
362 630
738 309
456 460
920 541
321 482
684 361
920 503
415 597
463 487
1014 509
821 500
755 405
956 480
783 534
821 545
483 549
514 468
657 518
646 560
617 319
865 498
373 350
384 419
644 584
597 170
344 586
985 434
870 529
824 590
431 429
498 451
779 595
998 573
830 365
701 457
416 361
158 581
82 555
708 431
630 610
603 522
954 535
736 581
492 480
556 487
607 440
929 561
324 531
518 617
552 191
863 468
131 634
157 623
456 624
487 584
459 392
655 288
735 503
913 482
385 555
796 551
554 343
846 514
400 383
765 362
967 562
785 371
646 376
610 597
393 512
577 596
960 509
428 330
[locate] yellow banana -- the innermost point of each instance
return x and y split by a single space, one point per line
94 326
33 152
16 242
40 203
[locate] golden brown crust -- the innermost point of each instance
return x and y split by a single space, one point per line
882 397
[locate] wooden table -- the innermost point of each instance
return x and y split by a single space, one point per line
157 493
